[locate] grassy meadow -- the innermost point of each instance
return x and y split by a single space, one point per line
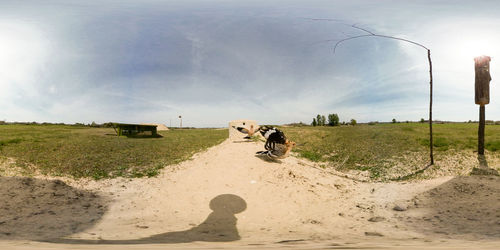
98 152
389 150
382 151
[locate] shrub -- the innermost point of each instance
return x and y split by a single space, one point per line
333 119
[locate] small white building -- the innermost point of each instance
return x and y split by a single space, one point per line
234 134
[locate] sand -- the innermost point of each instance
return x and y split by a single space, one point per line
226 197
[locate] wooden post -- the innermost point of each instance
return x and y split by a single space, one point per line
480 132
482 95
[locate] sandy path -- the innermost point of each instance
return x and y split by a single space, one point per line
226 197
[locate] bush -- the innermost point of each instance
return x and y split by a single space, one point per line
333 119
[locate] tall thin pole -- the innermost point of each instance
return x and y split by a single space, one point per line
430 107
371 34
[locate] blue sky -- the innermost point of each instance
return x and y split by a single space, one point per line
216 61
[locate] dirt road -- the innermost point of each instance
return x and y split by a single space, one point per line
226 197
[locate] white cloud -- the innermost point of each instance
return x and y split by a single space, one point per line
23 49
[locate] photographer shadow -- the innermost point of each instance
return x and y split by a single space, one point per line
220 226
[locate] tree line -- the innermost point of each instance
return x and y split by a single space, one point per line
333 120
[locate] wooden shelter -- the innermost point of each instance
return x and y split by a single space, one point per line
134 129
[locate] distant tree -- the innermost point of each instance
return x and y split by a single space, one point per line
394 120
333 119
318 120
422 120
353 122
314 123
323 120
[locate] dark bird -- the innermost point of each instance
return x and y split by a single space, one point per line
273 136
279 151
250 132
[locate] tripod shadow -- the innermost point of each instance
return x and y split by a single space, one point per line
220 226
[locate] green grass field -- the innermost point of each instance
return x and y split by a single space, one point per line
98 152
381 148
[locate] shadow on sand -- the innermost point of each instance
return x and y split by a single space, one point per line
36 209
268 159
466 207
220 226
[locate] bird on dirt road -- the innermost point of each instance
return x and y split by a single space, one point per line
273 136
250 132
279 151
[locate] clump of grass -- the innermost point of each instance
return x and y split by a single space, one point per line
439 143
492 146
10 141
98 152
312 156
